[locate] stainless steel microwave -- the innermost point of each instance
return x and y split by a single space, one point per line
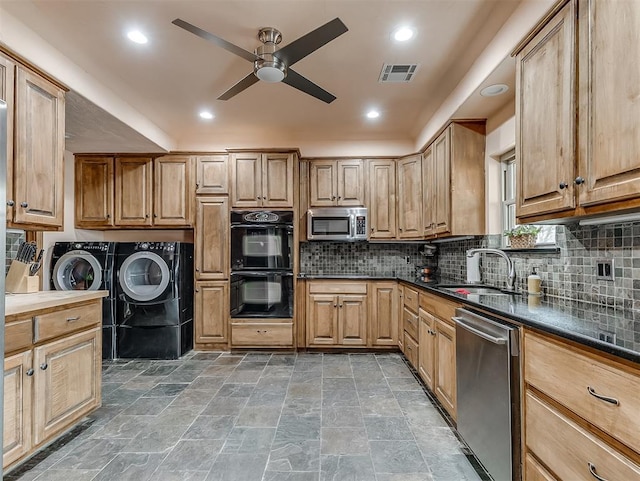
337 223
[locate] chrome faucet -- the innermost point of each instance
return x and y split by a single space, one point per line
473 266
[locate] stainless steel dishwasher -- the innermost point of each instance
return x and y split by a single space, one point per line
488 383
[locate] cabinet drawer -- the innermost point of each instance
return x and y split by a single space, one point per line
567 375
410 323
54 324
411 299
570 451
337 287
438 306
411 350
262 334
18 335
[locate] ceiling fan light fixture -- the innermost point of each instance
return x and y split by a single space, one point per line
271 73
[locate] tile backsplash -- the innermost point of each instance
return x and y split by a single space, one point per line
13 242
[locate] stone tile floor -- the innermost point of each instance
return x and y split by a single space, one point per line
259 416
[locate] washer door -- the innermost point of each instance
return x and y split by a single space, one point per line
144 276
77 271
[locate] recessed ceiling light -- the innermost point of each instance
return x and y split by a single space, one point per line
373 114
403 34
137 36
493 90
205 114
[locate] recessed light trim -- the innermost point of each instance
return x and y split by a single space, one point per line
403 34
373 114
493 90
206 115
137 36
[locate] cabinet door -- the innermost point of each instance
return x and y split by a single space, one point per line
39 148
428 192
352 323
322 320
277 180
441 207
609 88
7 93
211 313
173 191
445 379
383 314
322 183
212 238
410 197
134 183
426 358
381 179
17 407
67 382
94 191
545 118
533 470
212 174
350 183
246 175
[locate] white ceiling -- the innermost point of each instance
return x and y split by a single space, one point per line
176 74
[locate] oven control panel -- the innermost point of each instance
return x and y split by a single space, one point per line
361 225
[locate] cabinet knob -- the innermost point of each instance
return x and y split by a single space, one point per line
197 290
335 305
400 229
146 216
30 372
24 204
44 366
333 197
197 185
155 215
197 269
372 229
108 216
11 203
258 197
339 197
579 180
340 306
563 185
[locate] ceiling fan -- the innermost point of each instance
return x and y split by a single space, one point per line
273 64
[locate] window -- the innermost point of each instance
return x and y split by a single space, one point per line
547 235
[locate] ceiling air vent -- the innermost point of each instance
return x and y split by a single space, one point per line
398 72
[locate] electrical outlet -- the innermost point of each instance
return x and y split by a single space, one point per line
604 270
605 336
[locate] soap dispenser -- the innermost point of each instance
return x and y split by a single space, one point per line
534 283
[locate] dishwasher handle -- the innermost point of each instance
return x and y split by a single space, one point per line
488 337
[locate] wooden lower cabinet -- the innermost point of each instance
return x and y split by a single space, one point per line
17 406
383 314
427 341
262 334
445 352
534 471
211 314
411 349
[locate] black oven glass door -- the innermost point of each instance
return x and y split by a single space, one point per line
261 247
331 226
262 294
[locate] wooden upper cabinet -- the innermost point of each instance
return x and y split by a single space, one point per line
336 183
38 150
441 185
134 184
212 238
7 93
545 118
409 178
609 107
428 192
172 191
212 174
94 191
262 179
381 198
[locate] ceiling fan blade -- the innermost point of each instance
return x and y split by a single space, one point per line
220 42
245 83
305 85
300 48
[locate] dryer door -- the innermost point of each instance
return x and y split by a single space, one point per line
77 271
144 276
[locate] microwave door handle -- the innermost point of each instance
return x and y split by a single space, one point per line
353 226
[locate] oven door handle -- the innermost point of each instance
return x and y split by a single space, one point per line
262 273
262 226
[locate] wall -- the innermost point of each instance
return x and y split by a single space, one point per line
14 238
500 139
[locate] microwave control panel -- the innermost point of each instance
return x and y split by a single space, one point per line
361 225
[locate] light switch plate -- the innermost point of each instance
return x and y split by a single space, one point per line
604 270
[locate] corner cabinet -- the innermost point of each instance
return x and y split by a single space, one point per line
575 65
35 147
262 179
381 198
336 183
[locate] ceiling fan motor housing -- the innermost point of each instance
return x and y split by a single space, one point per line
269 68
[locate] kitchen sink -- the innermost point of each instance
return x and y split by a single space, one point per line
474 290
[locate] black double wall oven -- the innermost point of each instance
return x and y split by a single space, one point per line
261 264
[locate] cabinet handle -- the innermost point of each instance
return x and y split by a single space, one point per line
30 372
71 319
261 332
197 185
563 185
44 366
24 204
592 470
11 203
579 180
607 399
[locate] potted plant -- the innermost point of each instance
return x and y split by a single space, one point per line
523 236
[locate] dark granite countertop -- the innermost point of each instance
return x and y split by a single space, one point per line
578 321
